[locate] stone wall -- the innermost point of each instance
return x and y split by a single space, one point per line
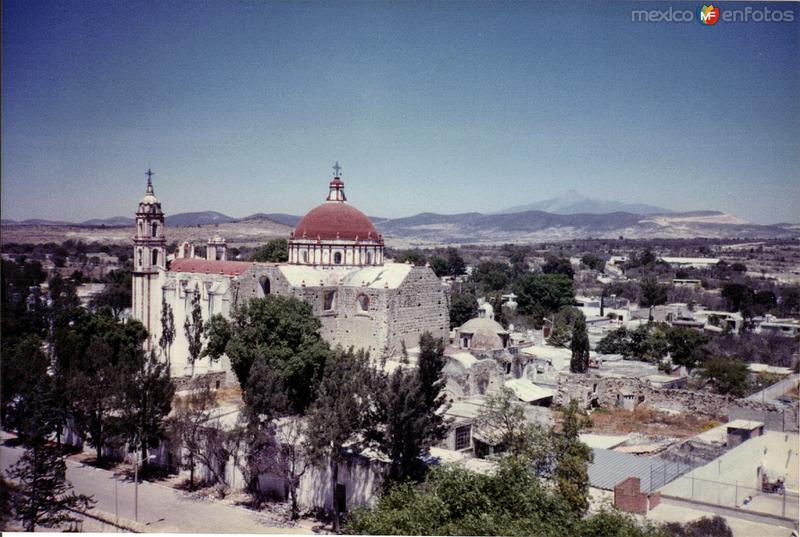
593 390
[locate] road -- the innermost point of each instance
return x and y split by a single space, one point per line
161 509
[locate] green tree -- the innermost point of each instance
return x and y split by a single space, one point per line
615 342
341 414
558 265
702 527
463 307
193 328
593 262
738 296
572 460
284 333
43 496
439 266
275 251
651 293
687 346
412 409
149 391
167 337
492 275
455 263
563 320
729 375
579 345
543 293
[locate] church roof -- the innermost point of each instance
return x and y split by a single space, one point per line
336 220
387 276
207 266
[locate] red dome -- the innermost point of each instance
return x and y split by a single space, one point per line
336 220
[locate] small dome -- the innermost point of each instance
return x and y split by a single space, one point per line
336 220
486 333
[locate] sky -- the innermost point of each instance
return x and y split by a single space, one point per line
446 106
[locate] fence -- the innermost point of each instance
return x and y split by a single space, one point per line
661 474
734 495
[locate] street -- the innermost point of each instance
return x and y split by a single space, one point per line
161 509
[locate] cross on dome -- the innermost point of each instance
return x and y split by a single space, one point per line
337 169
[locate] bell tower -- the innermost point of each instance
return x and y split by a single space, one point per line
149 259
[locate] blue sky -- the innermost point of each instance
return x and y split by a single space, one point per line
242 107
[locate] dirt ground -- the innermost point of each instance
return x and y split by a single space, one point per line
648 422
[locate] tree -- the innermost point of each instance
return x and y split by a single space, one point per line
455 263
561 333
572 460
502 419
558 265
702 527
463 307
192 414
291 460
543 293
148 400
97 385
275 251
687 346
738 296
265 394
729 375
579 362
593 262
193 328
492 275
167 337
25 388
651 293
43 496
412 407
341 414
615 342
439 266
284 333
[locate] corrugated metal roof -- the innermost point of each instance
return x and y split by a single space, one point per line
609 468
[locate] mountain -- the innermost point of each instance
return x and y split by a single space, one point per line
544 226
35 222
281 218
198 219
573 202
114 221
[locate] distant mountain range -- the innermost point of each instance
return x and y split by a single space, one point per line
522 225
572 202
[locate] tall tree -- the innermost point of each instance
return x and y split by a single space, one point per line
147 402
563 321
572 460
543 293
463 307
455 263
167 337
651 293
341 414
43 496
579 362
193 328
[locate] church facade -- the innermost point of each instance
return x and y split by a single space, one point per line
336 264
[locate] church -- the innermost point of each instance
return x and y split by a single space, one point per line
336 264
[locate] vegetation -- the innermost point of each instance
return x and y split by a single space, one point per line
280 331
275 251
579 345
193 329
543 294
728 376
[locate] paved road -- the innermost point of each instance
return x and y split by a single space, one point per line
161 509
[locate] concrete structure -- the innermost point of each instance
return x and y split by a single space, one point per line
336 265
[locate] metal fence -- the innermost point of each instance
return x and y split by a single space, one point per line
661 474
733 495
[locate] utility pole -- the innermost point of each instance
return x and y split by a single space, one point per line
136 487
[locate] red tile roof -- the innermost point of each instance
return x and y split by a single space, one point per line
206 266
336 221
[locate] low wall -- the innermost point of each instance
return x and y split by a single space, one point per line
607 392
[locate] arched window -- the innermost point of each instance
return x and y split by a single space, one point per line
141 228
369 258
155 230
337 258
363 303
155 258
264 283
305 256
139 257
